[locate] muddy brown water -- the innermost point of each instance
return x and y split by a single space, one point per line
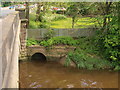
34 74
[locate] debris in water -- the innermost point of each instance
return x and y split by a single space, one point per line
32 84
70 86
29 75
38 86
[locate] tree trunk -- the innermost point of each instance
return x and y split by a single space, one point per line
73 22
107 12
38 11
44 7
118 10
27 13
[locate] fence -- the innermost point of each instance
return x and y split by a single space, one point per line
39 33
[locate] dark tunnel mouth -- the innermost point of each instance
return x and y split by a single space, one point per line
38 56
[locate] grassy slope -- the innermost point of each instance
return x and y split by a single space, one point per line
83 22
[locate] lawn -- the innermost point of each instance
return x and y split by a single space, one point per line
66 22
83 22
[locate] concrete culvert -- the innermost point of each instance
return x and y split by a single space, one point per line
39 56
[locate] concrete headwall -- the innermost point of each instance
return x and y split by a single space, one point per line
50 53
10 50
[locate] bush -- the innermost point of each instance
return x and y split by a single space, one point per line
59 40
111 42
59 17
37 24
85 61
32 41
51 17
43 25
32 17
53 41
49 34
88 45
108 41
34 25
45 20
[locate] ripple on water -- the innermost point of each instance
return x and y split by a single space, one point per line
54 75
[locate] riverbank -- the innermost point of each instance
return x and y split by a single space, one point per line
85 55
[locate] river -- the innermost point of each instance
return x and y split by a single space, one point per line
34 74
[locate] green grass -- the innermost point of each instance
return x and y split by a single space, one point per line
87 56
52 21
83 22
86 61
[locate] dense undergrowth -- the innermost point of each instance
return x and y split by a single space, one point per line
87 61
63 40
86 55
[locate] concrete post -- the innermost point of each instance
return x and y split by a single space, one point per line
22 14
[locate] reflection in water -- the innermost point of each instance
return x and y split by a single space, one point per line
53 75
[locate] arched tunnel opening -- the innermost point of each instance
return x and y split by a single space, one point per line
39 57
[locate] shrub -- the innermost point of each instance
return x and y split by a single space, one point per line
108 41
85 61
59 17
44 20
32 17
49 34
43 25
53 41
51 17
111 42
88 45
34 25
32 41
59 40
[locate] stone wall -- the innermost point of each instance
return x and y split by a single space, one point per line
51 52
22 15
23 39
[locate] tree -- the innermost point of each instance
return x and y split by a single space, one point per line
38 11
73 12
106 10
5 4
103 9
109 32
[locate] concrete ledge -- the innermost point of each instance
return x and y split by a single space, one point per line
10 53
20 9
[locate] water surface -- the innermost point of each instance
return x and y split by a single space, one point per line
34 74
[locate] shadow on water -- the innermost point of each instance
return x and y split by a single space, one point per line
39 57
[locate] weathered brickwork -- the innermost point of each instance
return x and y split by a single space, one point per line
22 33
23 39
